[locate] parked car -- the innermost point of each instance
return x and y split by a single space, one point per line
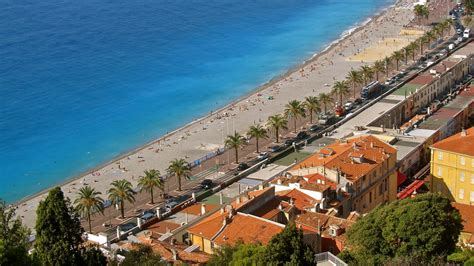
206 184
263 155
289 142
314 128
302 135
275 148
170 205
242 166
348 105
327 119
358 101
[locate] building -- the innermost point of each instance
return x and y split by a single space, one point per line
467 234
235 223
331 229
452 167
363 169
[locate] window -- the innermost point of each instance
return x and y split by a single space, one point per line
461 176
472 197
440 171
462 160
461 193
440 155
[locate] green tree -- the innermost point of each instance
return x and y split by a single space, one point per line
354 77
92 256
340 89
13 238
379 66
88 202
311 104
277 122
58 231
288 247
421 11
424 227
180 168
429 36
397 56
120 192
248 255
150 181
223 255
142 255
367 73
235 142
294 109
387 61
257 132
413 48
326 100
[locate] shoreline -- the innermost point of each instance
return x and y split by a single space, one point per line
355 28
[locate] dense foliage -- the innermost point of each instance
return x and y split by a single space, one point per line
59 234
142 255
13 238
423 229
286 247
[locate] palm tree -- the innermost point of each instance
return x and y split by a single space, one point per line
387 61
311 103
421 11
149 181
422 40
180 168
87 202
326 100
367 73
294 109
354 77
414 47
397 56
257 132
120 192
235 142
379 66
277 122
429 37
340 88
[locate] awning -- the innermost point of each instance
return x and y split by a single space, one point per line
410 189
400 178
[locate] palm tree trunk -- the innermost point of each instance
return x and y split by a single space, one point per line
311 117
236 154
376 75
397 65
256 141
294 119
354 89
151 192
89 220
325 110
276 133
121 209
179 182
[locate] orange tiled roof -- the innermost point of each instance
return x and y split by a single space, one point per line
249 229
309 185
314 219
195 209
209 226
373 151
458 143
300 199
467 214
269 210
162 227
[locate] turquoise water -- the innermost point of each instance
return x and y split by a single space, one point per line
84 81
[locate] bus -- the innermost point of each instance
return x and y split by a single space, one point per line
371 90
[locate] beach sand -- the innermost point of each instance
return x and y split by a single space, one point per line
206 135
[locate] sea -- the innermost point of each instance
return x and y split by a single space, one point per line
82 82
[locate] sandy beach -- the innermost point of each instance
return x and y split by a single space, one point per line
207 134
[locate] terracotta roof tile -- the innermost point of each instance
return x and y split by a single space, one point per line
467 214
458 143
249 229
314 219
373 151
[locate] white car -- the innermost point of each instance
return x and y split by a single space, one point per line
263 155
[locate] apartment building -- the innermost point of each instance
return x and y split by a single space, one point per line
452 167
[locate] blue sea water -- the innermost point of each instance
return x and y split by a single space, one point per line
84 81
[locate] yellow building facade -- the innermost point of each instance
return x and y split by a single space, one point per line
452 167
